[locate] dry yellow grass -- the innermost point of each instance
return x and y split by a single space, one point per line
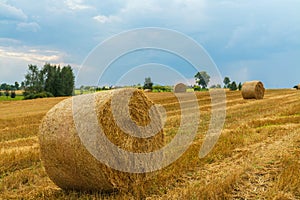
256 157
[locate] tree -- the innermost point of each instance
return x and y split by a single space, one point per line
226 82
216 86
68 80
5 86
59 82
139 86
233 86
13 94
148 84
22 85
197 88
48 73
240 86
33 80
58 86
51 79
17 85
202 79
6 93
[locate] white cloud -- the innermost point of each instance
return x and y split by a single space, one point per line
14 61
182 15
77 5
30 55
8 12
232 31
141 6
106 19
9 42
28 27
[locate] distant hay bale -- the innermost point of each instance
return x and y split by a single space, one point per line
253 90
147 90
71 166
180 88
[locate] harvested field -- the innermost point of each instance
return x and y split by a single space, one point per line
256 157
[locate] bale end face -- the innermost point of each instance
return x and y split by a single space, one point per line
180 88
253 90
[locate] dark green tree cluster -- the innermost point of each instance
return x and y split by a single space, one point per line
103 88
231 85
216 86
51 80
9 90
162 88
202 79
148 84
5 86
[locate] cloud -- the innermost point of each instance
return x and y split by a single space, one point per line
14 61
9 42
8 12
233 32
28 27
106 19
182 15
31 55
77 5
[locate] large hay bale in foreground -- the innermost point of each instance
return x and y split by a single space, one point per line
68 162
180 88
253 90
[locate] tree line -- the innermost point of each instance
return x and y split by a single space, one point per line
5 86
9 90
51 80
202 80
231 85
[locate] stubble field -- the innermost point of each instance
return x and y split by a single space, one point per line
256 157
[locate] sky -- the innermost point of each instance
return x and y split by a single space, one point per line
247 40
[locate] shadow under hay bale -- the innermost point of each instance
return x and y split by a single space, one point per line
180 88
253 90
297 87
68 162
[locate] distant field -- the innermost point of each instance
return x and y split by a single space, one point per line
4 98
19 96
256 157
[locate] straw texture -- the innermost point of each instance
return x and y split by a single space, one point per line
180 88
71 166
253 90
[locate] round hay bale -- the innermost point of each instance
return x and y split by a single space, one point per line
147 90
298 88
180 88
253 90
68 162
